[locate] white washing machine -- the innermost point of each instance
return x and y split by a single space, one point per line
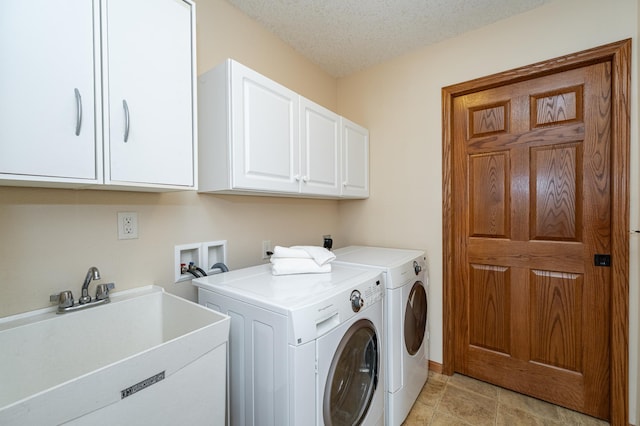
303 349
406 329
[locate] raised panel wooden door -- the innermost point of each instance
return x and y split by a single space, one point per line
531 210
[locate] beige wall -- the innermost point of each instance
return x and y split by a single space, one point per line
400 102
50 237
224 32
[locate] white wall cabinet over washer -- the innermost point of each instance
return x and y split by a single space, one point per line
355 160
259 137
320 144
249 131
59 59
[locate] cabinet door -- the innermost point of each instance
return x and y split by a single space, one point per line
148 76
264 116
319 150
47 112
355 161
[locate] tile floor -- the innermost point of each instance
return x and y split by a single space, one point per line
460 400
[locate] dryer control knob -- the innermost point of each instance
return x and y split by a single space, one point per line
357 301
417 267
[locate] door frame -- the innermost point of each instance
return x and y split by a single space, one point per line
619 55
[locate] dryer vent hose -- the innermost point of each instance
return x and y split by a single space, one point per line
220 266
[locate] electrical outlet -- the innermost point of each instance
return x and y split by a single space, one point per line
127 225
266 247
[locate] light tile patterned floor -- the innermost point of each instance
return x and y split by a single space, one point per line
460 400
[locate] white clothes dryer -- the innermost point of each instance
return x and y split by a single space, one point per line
303 349
406 329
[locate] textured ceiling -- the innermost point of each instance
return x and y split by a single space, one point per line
345 36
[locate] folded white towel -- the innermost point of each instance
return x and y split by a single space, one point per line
289 252
288 266
320 255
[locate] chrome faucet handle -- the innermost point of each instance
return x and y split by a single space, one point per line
64 299
102 290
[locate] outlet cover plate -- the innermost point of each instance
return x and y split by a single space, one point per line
266 247
127 225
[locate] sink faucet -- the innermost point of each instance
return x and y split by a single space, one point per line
91 273
65 300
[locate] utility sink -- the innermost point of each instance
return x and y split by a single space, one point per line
144 355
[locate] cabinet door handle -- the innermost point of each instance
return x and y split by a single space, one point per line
126 119
78 111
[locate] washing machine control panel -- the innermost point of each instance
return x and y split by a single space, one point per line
366 296
319 317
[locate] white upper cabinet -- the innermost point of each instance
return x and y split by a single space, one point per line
47 90
264 130
319 150
355 160
74 87
249 126
148 77
257 136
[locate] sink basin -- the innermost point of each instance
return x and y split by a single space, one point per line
127 360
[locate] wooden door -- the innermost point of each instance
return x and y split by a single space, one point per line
516 279
534 203
456 244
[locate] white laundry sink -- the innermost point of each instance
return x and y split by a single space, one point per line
145 355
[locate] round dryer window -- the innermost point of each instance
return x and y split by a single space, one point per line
353 376
415 318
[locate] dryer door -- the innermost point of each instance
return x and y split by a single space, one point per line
415 318
353 376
